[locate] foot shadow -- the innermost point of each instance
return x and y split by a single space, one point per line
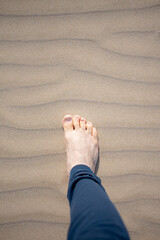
98 162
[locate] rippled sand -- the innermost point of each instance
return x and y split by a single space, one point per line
99 59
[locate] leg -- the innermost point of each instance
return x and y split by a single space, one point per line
93 215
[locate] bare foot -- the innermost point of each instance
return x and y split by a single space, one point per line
81 140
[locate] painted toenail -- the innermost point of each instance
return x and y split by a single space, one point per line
68 119
82 119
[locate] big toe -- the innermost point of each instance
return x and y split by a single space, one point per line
68 122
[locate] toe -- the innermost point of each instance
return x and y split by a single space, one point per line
83 123
89 127
68 122
94 132
76 122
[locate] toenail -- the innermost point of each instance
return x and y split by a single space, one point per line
76 116
82 119
67 119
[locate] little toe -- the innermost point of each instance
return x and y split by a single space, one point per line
83 123
68 122
89 127
94 132
76 122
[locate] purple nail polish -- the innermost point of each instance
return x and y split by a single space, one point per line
68 119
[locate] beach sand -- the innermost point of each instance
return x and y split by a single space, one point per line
101 60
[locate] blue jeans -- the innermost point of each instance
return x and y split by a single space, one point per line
93 215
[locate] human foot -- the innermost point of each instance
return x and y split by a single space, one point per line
81 141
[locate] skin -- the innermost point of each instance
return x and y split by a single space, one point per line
82 143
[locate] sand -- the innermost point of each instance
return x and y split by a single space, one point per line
99 59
